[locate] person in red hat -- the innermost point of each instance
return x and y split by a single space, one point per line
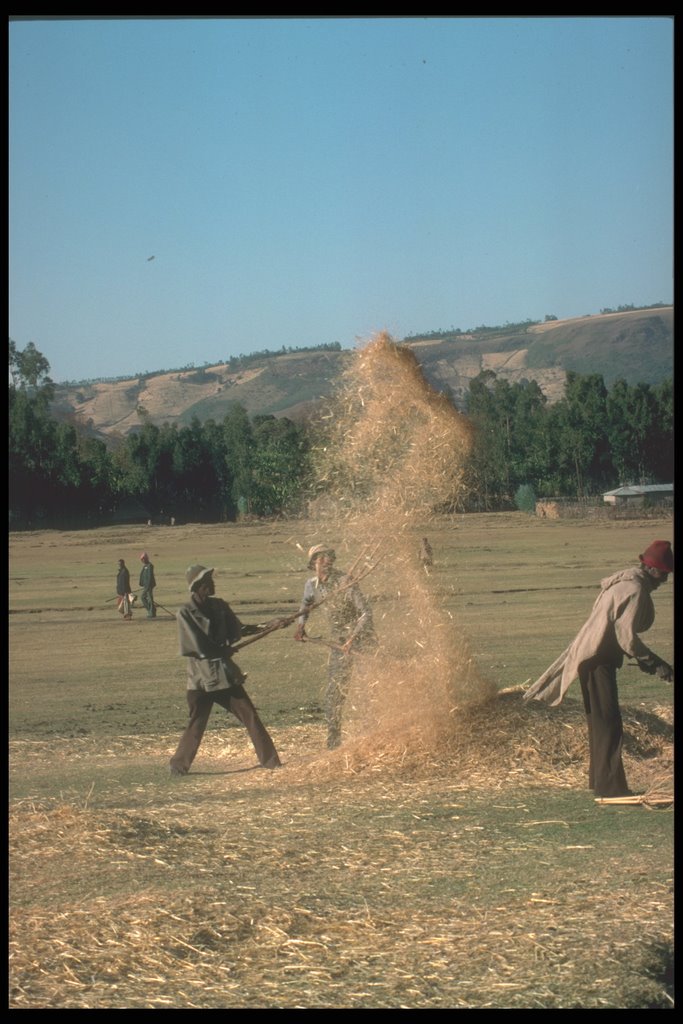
623 609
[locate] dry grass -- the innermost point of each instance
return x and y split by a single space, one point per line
378 875
447 855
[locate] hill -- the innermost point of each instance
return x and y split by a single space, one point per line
636 345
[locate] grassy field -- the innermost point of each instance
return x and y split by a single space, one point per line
479 873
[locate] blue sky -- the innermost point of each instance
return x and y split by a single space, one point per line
309 181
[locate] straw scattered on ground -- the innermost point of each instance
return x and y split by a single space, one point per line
403 870
351 879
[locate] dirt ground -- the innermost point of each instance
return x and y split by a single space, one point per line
468 867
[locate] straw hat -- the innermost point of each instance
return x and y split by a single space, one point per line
195 573
320 549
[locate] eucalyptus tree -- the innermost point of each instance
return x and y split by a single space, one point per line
583 442
280 464
238 438
32 434
486 463
139 465
661 450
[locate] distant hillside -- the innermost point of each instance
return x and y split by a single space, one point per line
635 345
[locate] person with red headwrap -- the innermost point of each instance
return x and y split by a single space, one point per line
623 609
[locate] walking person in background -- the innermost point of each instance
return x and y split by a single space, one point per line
147 584
623 609
124 599
207 626
350 619
426 554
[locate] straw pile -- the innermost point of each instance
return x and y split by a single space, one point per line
500 744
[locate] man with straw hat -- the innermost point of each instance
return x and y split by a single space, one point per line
623 609
350 618
207 626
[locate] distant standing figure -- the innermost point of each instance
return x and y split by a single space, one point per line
350 618
426 553
124 602
207 626
623 609
147 584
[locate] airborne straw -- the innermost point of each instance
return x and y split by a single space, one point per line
393 456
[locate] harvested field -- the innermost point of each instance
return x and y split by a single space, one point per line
447 855
347 879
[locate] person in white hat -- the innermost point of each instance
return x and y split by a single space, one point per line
207 626
350 619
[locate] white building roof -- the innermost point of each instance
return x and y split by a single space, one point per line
636 490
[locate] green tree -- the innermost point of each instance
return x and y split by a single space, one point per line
660 457
280 464
239 453
525 498
214 440
584 446
510 444
640 428
29 370
619 430
98 474
56 474
137 462
196 482
529 449
32 434
486 471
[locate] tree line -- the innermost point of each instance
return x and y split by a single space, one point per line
592 440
